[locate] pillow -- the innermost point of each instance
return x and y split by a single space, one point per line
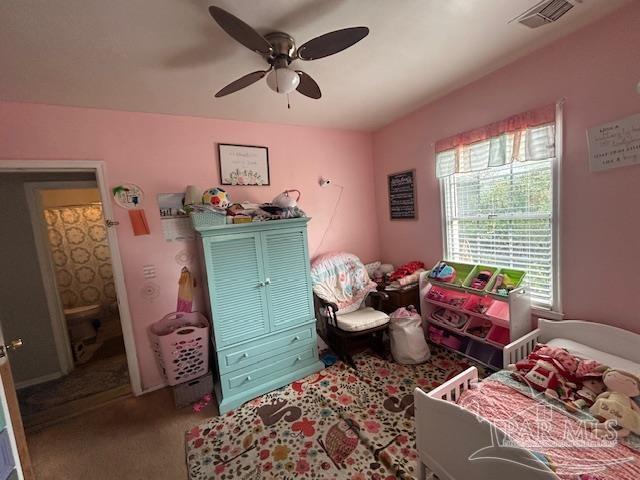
586 352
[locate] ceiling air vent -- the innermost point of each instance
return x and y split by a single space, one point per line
547 11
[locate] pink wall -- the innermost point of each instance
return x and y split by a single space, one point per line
596 69
163 153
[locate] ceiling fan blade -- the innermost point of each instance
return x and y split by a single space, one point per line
240 31
242 82
332 42
308 86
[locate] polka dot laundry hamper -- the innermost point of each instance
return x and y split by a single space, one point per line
181 343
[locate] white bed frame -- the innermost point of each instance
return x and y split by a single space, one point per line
455 444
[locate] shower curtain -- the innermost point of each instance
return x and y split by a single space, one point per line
81 256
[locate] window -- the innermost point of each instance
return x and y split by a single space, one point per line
503 214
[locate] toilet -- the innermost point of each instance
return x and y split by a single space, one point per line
79 322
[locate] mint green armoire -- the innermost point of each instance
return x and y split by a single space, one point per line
261 307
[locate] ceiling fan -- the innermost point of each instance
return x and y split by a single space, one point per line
279 50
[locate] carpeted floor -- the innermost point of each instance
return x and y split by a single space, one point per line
340 423
132 439
103 373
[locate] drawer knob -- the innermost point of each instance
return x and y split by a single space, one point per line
298 358
296 338
245 355
248 379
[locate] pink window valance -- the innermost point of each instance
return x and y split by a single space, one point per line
525 137
515 123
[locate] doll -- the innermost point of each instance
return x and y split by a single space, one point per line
615 407
589 391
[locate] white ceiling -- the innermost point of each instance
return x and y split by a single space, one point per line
169 56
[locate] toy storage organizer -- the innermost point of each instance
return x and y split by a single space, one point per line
181 343
475 323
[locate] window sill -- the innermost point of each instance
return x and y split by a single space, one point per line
542 312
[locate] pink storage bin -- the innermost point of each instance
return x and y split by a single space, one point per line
435 334
477 304
452 341
454 298
181 343
499 335
478 327
500 311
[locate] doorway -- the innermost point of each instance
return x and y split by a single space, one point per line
70 235
96 329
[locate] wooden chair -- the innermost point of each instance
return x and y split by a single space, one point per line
343 331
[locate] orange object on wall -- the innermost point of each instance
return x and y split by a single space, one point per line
139 222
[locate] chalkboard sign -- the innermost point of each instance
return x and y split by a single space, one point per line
402 195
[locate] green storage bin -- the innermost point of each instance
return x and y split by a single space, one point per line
462 272
476 270
515 278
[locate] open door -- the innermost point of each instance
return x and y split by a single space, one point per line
15 463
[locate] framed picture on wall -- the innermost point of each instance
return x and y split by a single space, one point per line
243 164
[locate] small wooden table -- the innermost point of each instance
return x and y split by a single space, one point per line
401 298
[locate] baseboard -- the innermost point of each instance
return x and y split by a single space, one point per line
38 380
153 389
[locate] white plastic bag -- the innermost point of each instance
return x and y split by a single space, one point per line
408 345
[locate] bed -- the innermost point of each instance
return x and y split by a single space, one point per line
454 443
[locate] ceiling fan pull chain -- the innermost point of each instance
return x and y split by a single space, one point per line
288 103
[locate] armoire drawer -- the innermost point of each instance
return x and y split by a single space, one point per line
277 366
250 353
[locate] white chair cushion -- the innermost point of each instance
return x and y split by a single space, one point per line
362 319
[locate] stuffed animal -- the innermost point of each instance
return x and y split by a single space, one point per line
591 388
615 407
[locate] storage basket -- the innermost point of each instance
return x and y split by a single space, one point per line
181 343
207 219
193 390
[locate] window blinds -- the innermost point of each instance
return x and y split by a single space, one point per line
504 215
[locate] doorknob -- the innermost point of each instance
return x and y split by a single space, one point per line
13 345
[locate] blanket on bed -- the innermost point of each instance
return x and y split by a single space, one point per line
544 426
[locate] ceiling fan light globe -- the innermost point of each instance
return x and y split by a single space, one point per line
283 80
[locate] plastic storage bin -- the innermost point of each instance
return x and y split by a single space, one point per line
477 304
499 335
482 351
449 297
207 219
452 341
462 272
499 311
181 343
477 326
474 273
435 334
515 278
193 390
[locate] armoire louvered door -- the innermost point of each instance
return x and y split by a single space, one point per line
236 285
261 307
287 269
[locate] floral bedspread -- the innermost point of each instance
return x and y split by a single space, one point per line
337 424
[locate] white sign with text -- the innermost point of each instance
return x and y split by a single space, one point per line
614 144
